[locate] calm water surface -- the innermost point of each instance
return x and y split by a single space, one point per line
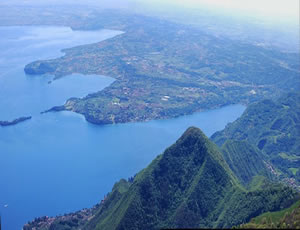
57 163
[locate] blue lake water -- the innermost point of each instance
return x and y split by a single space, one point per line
57 163
22 95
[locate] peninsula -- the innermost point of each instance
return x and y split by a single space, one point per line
165 70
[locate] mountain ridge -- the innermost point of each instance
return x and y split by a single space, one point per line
190 185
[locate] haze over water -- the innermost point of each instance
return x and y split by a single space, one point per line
57 163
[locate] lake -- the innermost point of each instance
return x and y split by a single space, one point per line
57 163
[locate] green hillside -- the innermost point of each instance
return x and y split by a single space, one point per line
287 218
274 128
189 186
244 160
167 192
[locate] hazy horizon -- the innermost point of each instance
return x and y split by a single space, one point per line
270 10
272 21
277 10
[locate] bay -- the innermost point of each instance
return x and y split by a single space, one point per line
23 95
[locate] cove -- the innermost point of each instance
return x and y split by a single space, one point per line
58 163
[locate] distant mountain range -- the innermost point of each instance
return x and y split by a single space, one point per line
196 184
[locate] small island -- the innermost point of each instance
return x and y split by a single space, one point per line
14 122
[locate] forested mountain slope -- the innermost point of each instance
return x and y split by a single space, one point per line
244 160
274 128
189 185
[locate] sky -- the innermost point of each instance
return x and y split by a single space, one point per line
277 10
268 7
